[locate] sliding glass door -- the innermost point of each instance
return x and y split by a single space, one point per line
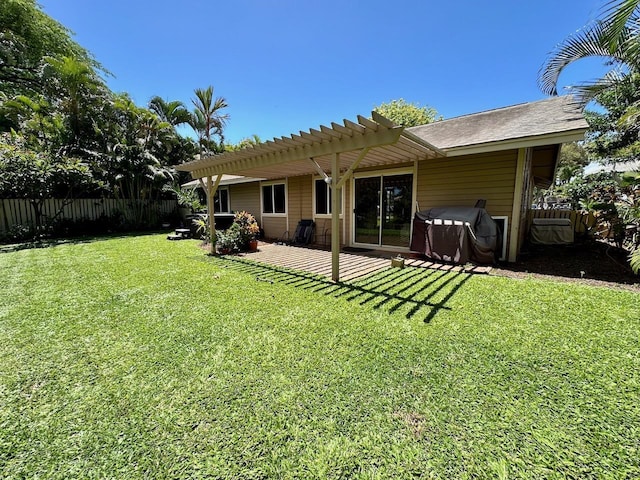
383 210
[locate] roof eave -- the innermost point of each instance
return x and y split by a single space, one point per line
515 143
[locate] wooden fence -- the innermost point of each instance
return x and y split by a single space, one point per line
19 211
579 221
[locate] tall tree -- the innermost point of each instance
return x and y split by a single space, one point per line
37 120
573 158
38 176
244 143
79 90
207 118
614 134
407 114
133 157
27 37
173 112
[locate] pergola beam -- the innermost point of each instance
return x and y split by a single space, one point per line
319 169
299 152
353 166
380 120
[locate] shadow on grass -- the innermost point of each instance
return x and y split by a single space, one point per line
420 291
54 242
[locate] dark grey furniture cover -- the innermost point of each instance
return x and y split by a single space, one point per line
456 234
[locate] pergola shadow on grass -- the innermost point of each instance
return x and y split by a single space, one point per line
419 292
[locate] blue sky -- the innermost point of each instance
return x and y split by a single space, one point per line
290 65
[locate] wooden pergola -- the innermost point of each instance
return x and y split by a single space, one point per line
332 152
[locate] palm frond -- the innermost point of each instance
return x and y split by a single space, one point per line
587 42
634 260
584 92
618 14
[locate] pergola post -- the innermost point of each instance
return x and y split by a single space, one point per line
335 217
210 190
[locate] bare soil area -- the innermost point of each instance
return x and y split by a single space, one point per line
593 263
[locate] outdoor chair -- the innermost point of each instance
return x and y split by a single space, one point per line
303 233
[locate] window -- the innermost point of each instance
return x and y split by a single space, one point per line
221 200
273 198
323 198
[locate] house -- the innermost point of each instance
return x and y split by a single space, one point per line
382 173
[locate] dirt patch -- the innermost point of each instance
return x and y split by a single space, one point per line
590 263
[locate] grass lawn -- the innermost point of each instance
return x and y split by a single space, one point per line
142 358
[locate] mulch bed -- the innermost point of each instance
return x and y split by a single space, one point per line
591 263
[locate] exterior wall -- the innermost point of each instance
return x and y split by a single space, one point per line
461 181
455 181
245 196
276 227
300 199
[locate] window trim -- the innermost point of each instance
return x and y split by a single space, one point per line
228 210
313 193
286 198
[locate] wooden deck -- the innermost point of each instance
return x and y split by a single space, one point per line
352 265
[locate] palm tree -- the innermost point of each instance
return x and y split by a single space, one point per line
80 86
614 38
174 113
207 120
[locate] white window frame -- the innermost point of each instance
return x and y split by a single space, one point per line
286 198
313 192
228 210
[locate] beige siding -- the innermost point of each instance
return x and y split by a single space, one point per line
245 196
440 182
275 227
300 207
461 181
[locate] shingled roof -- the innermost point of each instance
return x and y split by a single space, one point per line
556 120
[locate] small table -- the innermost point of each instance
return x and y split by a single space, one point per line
183 232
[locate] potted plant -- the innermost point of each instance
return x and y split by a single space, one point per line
248 230
228 241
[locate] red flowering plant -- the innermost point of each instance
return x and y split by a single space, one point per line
248 228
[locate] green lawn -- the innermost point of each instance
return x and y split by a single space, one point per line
142 358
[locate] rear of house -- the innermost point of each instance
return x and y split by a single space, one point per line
498 156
